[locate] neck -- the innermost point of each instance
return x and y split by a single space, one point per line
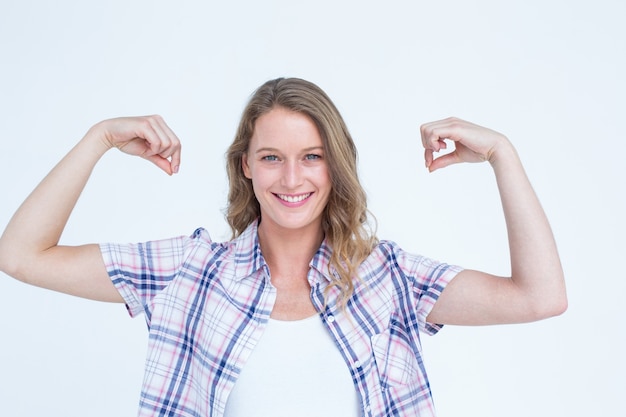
289 251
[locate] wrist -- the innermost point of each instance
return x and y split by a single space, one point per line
96 140
502 153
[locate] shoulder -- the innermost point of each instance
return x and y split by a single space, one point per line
388 252
239 257
388 257
201 237
200 243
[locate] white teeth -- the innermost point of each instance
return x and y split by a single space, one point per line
292 198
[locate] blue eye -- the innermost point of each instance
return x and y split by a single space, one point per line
312 157
270 158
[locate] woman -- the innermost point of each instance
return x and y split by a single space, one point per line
222 316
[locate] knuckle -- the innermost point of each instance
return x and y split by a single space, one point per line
454 122
144 123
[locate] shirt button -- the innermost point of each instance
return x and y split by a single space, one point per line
331 319
357 364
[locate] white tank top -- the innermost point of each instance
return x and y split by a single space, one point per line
295 370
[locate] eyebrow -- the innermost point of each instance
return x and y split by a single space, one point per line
267 149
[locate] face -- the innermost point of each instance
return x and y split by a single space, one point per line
289 174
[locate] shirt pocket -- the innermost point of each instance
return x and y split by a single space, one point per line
396 360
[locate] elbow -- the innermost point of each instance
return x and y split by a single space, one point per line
9 261
552 306
557 307
7 265
564 303
546 297
558 303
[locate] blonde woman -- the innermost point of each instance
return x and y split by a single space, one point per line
304 312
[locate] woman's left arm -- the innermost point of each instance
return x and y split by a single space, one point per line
536 288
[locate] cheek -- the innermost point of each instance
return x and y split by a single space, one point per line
261 181
324 177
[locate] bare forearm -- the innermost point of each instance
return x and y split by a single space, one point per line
29 249
535 264
536 288
39 222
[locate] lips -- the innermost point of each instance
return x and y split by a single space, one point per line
293 198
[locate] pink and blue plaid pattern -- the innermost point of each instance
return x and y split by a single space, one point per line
206 305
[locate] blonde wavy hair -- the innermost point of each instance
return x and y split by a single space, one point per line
345 218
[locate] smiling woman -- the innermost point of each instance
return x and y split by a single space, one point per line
301 251
296 107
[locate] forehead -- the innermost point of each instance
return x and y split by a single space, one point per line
281 127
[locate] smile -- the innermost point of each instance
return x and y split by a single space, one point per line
293 198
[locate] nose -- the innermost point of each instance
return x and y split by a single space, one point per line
292 175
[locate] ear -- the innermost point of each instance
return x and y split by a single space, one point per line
245 166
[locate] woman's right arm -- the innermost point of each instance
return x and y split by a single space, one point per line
29 249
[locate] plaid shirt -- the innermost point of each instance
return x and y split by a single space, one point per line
207 304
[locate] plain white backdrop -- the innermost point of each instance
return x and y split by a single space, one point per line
548 74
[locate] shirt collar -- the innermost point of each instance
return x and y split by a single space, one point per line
321 262
249 259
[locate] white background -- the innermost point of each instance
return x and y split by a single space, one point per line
550 75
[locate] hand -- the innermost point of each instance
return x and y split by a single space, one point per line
472 143
148 137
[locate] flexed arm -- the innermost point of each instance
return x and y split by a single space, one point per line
29 249
536 287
